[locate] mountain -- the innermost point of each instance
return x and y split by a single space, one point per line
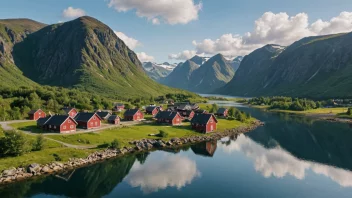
213 74
315 67
83 53
13 31
235 63
157 71
199 60
180 76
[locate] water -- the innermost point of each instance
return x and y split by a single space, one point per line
290 156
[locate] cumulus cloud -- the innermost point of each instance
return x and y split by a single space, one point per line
143 57
171 12
187 54
162 172
279 163
71 13
273 28
129 41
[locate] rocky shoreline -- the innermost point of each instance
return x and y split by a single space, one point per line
35 170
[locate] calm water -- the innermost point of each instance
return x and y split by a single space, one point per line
289 157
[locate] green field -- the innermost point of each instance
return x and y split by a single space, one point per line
334 111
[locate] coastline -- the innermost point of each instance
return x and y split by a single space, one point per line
37 170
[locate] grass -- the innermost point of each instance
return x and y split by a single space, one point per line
334 111
42 157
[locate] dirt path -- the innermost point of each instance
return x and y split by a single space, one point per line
5 125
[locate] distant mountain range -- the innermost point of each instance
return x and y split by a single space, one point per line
83 53
157 71
202 74
314 67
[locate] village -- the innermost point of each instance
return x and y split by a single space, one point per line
174 115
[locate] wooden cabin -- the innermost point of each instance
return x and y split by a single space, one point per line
35 114
133 115
114 119
168 117
222 112
204 123
104 115
118 107
72 112
88 120
152 110
58 123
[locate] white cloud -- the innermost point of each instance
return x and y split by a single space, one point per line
129 41
71 13
169 11
187 54
162 172
143 57
279 163
273 28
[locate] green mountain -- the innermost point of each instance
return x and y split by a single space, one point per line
180 76
213 74
13 31
315 67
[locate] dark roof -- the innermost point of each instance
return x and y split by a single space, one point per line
184 107
58 120
42 121
200 111
130 112
151 108
103 114
67 109
85 117
202 118
33 111
113 117
188 112
221 110
166 115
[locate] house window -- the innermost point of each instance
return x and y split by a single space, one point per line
64 127
211 128
91 124
69 121
50 126
71 126
94 118
96 123
54 127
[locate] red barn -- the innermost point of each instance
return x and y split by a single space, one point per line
133 115
152 110
167 117
204 123
58 123
222 112
114 119
72 112
36 114
88 120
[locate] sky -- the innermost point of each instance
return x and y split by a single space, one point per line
176 30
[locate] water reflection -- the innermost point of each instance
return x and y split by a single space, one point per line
160 172
206 149
276 162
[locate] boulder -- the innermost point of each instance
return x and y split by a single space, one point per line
46 169
10 172
33 168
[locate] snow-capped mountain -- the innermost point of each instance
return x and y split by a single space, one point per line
157 71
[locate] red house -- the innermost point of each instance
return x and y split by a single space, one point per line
58 123
36 114
118 107
167 117
88 120
72 112
152 110
114 119
222 112
187 115
133 115
204 123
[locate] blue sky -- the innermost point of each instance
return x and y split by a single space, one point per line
212 20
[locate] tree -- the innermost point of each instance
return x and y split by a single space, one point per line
13 144
231 111
114 144
38 143
214 108
349 111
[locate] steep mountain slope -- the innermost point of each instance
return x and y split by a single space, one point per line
315 67
13 31
235 63
84 53
199 60
179 77
157 71
213 74
252 74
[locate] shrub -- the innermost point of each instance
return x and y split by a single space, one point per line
57 157
114 144
349 111
162 134
13 144
38 143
